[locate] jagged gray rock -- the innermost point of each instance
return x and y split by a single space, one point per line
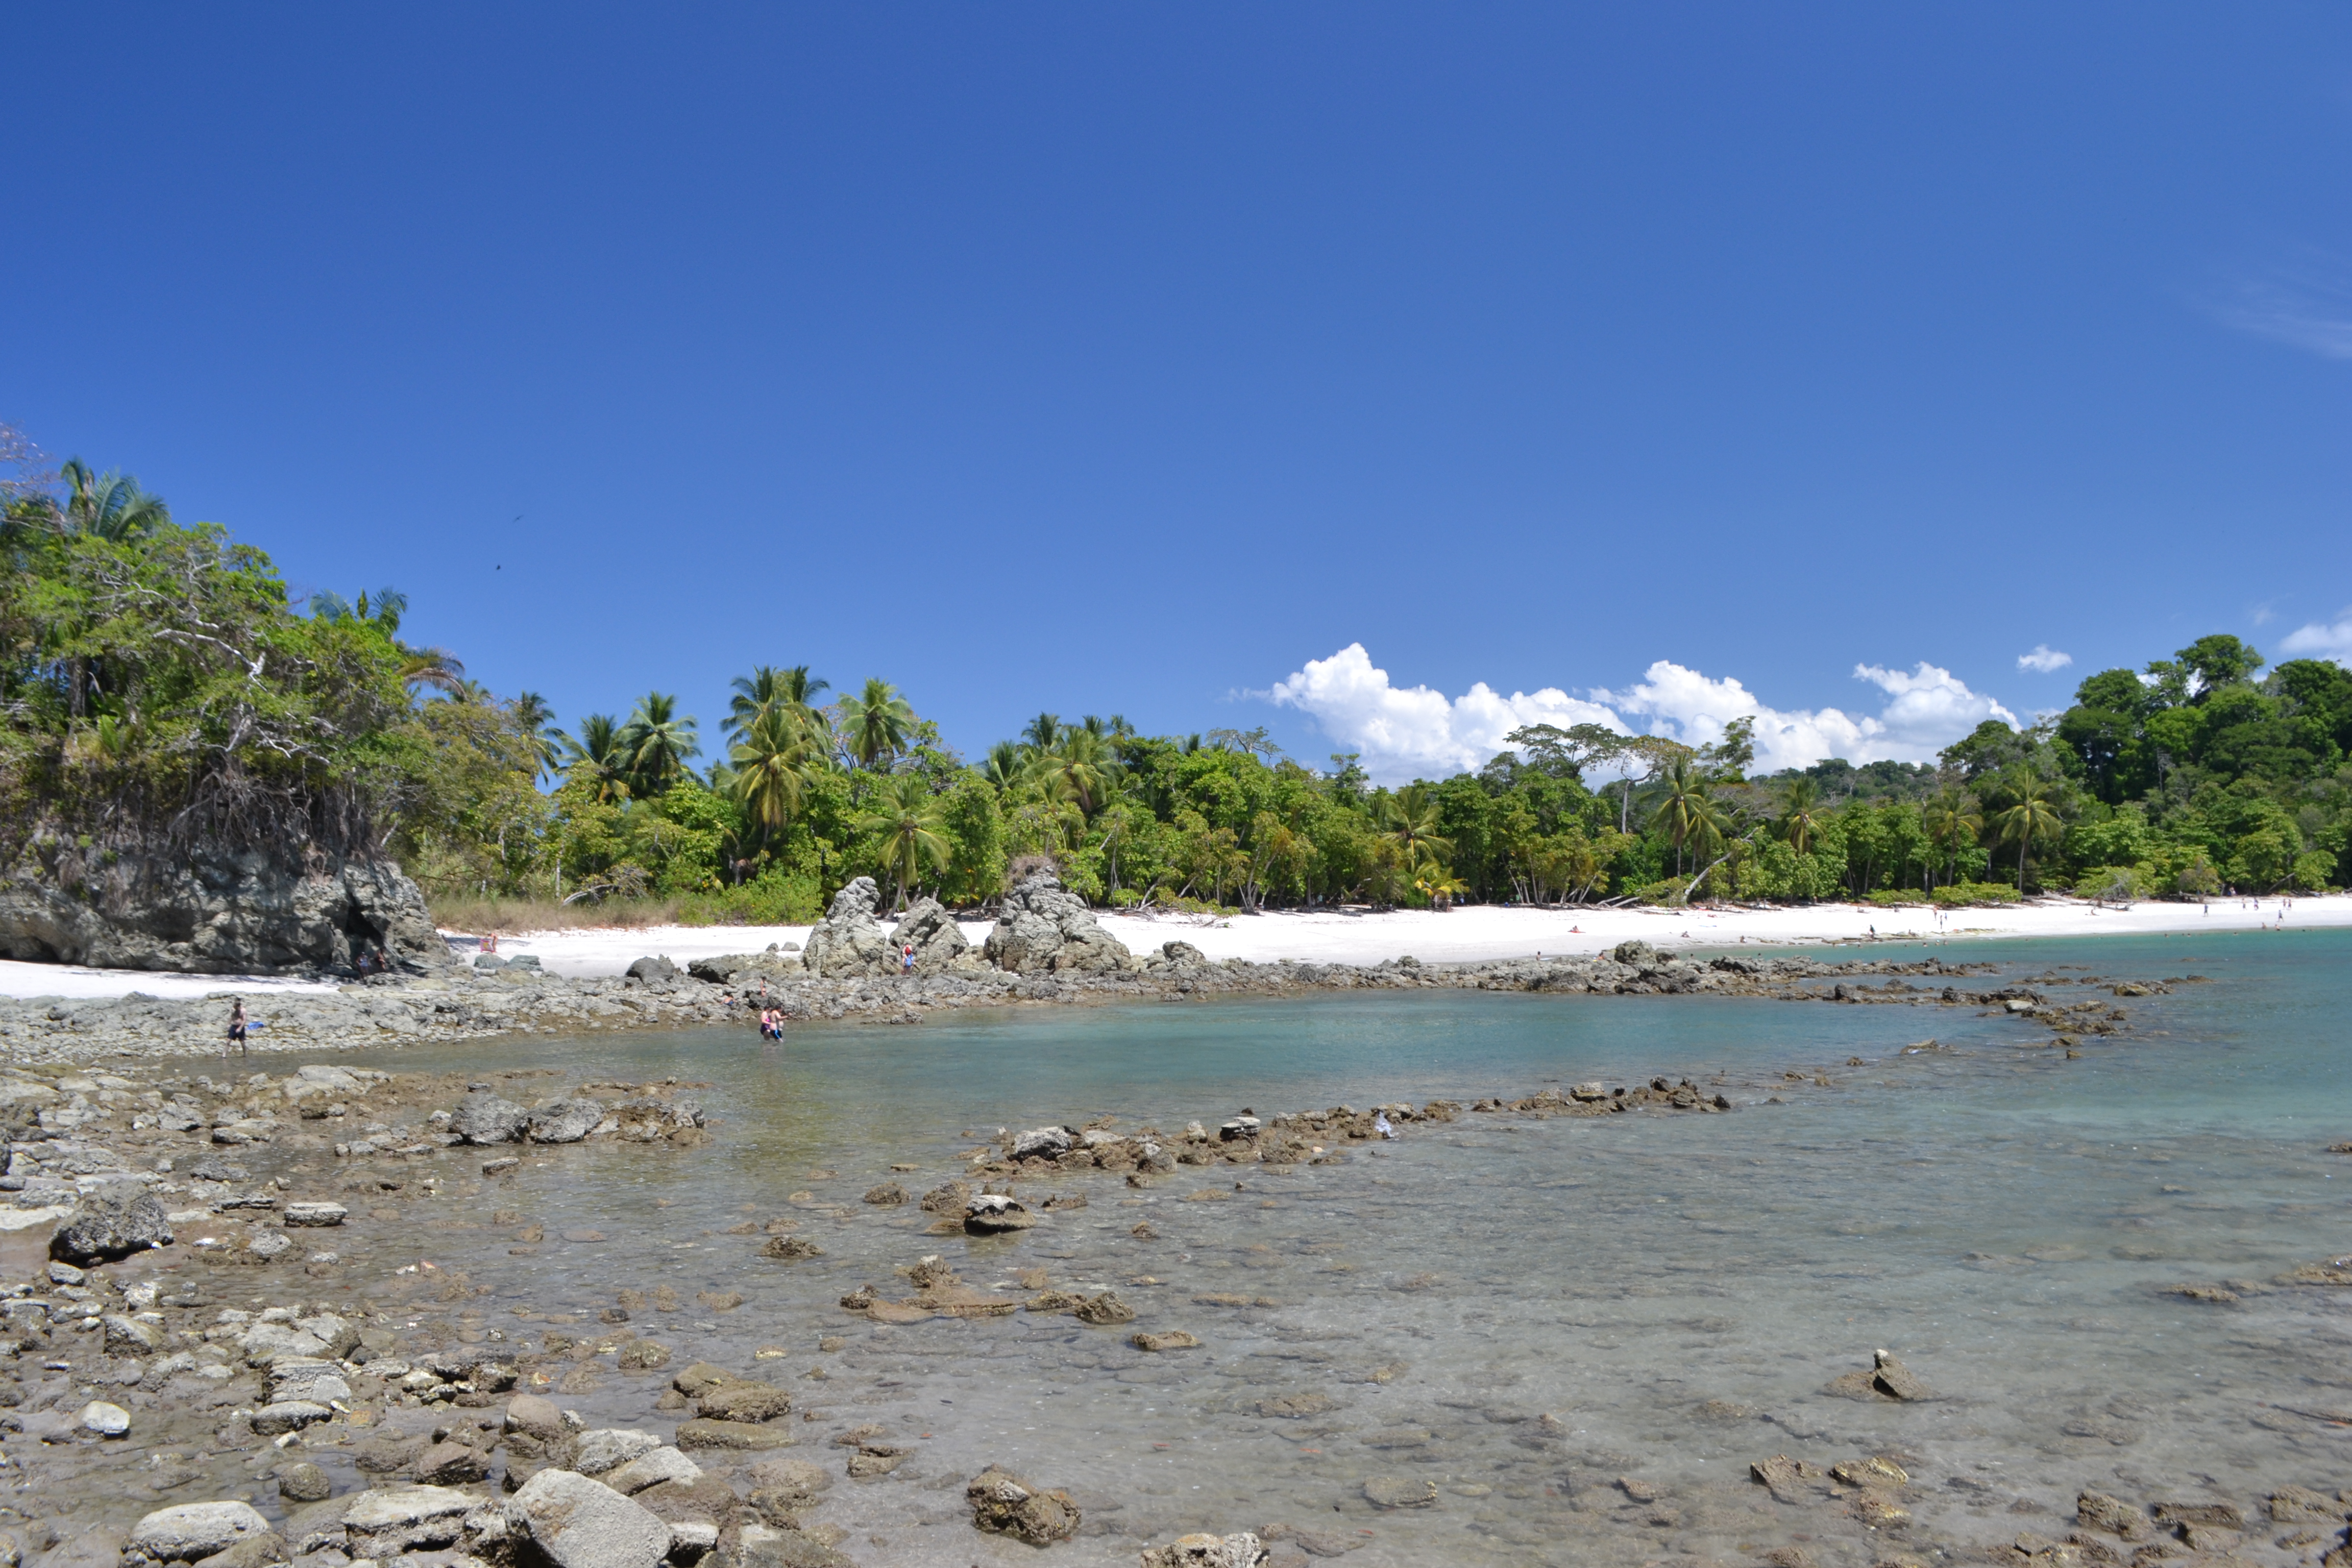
1046 929
848 940
565 1120
112 1221
940 943
483 1118
218 913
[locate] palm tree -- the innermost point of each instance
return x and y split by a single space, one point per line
1004 767
1042 733
658 742
1683 810
909 818
875 722
1801 813
1075 768
597 755
2029 815
771 768
111 505
788 689
1118 825
1409 819
536 721
1436 883
1952 821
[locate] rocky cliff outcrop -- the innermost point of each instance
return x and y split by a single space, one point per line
939 943
1046 929
223 913
848 940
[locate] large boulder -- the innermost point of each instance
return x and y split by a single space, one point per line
848 942
112 1221
214 911
483 1117
940 943
1044 929
583 1523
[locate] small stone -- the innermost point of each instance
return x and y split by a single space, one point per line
1242 1550
594 1453
1105 1310
1006 1504
745 1401
527 1412
1896 1381
993 1214
652 1471
105 1420
746 1435
288 1416
129 1336
303 1481
889 1194
387 1521
451 1465
1174 1340
316 1213
1400 1491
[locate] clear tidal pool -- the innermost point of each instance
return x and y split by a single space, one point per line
1675 1290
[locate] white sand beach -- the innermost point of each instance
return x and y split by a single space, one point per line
1484 932
1325 936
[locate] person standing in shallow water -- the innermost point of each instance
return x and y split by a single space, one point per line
236 1025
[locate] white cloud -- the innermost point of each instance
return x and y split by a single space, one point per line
2316 641
1405 731
2045 658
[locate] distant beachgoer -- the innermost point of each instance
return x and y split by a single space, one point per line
1381 1124
906 959
236 1025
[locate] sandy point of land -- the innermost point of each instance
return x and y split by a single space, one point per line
1334 936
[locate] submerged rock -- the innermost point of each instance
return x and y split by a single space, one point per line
992 1214
1242 1550
1006 1504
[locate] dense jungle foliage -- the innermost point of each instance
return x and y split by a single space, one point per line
161 689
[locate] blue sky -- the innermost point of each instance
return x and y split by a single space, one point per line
1141 358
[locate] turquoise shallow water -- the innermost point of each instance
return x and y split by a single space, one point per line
1674 1291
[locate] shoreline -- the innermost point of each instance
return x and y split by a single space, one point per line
1479 933
470 1004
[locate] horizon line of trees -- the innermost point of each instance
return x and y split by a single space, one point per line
160 685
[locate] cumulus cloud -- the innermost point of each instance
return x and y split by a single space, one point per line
2044 659
1402 732
2333 640
1408 731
